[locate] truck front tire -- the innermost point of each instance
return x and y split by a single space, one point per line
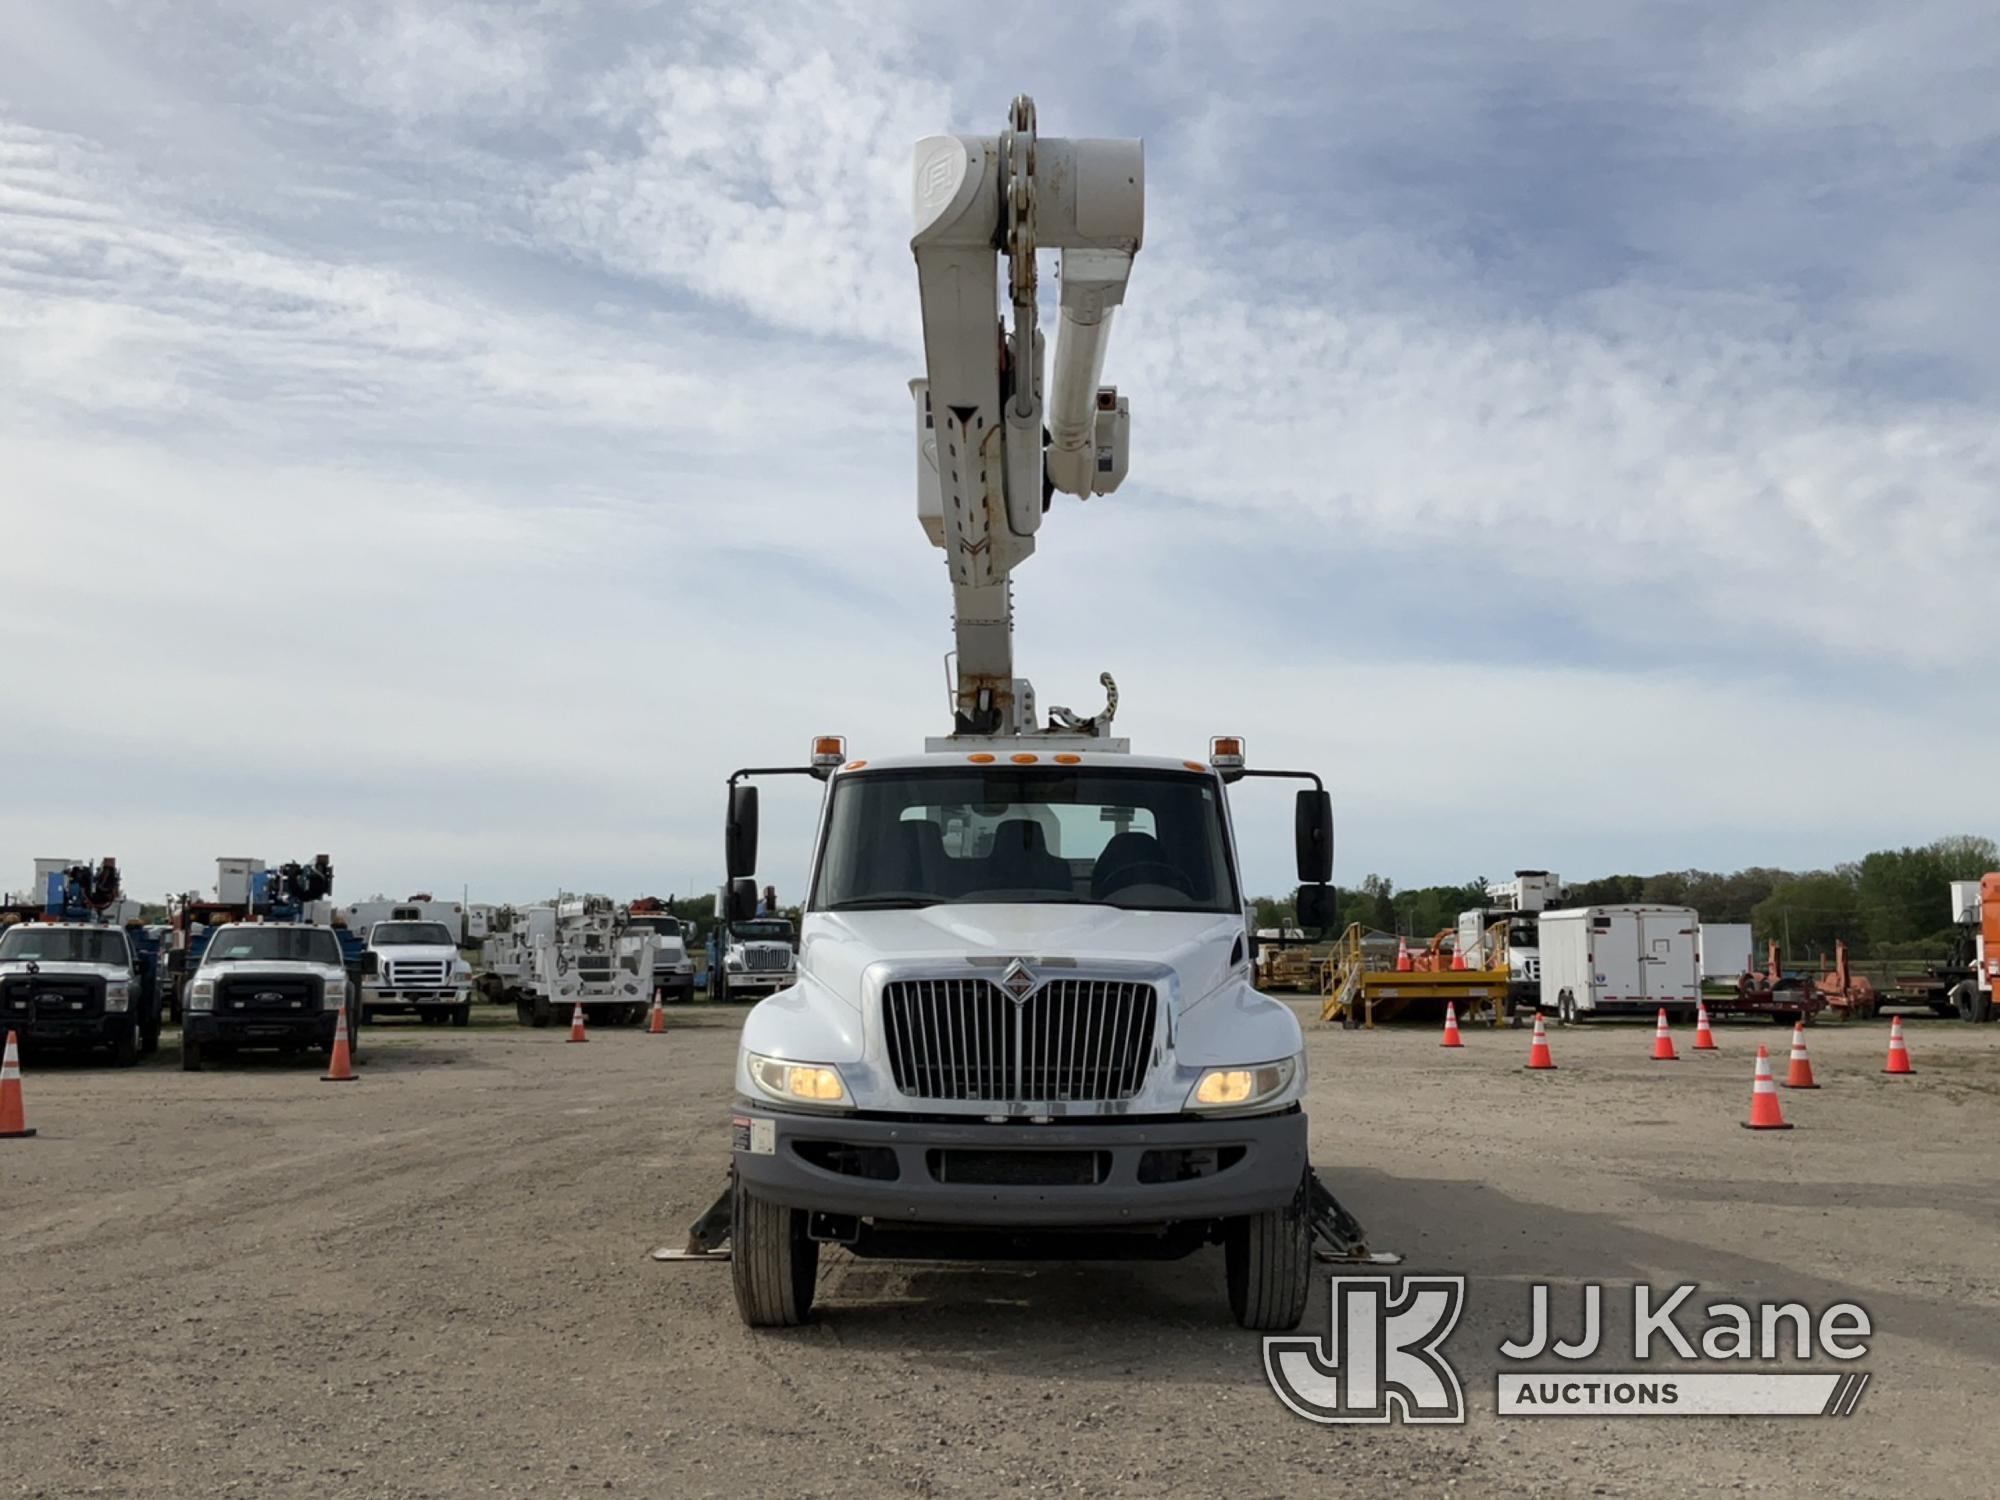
190 1054
1267 1263
129 1043
461 1015
773 1263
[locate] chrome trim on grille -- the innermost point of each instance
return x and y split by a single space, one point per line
1069 1041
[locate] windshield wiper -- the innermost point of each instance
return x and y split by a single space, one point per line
885 903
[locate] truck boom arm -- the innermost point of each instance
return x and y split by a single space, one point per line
989 452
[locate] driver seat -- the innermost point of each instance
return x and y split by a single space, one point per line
1122 855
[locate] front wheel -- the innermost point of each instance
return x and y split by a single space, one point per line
461 1015
130 1041
1972 1005
1267 1264
773 1262
191 1058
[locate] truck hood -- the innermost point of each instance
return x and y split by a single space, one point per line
838 947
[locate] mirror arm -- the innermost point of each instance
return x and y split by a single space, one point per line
1312 776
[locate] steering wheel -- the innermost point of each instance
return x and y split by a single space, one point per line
1150 872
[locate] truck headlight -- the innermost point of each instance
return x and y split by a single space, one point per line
733 965
117 996
1242 1088
201 995
798 1083
336 994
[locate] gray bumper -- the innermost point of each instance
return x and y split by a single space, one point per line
1269 1159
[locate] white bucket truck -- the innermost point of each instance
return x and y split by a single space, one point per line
1024 1021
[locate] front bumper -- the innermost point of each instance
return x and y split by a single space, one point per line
1266 1153
761 981
51 1025
394 999
315 1029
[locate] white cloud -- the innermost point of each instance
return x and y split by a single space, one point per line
535 374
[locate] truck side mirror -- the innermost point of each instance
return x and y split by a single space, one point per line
739 841
1315 907
742 899
1312 832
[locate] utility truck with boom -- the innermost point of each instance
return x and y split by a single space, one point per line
76 968
1024 1022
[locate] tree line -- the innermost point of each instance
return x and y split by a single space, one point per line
1888 904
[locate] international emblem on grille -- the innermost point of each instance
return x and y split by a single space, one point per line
1019 981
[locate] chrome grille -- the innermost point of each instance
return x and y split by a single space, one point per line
416 972
767 959
1071 1041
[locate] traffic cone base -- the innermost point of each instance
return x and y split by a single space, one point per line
1800 1074
13 1111
1899 1054
1764 1111
340 1067
1451 1036
1539 1058
1663 1041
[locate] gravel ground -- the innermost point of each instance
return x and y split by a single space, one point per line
436 1282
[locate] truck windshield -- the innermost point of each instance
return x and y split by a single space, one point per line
62 945
762 932
1141 840
664 926
312 945
399 934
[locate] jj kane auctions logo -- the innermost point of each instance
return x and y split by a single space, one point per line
1382 1358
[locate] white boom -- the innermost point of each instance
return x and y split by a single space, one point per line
989 453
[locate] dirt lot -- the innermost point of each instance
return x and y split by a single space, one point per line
436 1282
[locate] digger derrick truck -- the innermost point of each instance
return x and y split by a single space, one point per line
1024 1021
76 968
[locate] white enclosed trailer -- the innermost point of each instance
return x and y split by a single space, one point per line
1724 949
1614 960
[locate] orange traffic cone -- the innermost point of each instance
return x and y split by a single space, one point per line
1403 964
656 1024
1663 1041
13 1113
341 1068
576 1024
1799 1074
1457 961
1451 1036
1704 1038
1764 1114
1538 1050
1899 1055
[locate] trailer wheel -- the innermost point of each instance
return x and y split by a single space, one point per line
773 1262
1267 1265
190 1054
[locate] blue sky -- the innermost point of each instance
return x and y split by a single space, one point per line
454 436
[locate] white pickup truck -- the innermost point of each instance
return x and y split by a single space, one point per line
268 984
80 984
418 971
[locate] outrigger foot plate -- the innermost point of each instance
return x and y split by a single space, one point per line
1342 1239
708 1236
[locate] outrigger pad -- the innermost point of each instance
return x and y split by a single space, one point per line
1345 1242
708 1236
